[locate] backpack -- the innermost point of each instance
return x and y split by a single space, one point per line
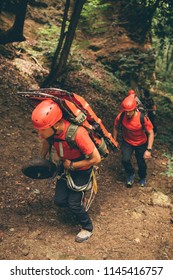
79 113
142 109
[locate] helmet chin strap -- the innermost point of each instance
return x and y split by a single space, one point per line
50 141
50 138
54 130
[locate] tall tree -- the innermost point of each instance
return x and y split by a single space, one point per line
66 40
15 33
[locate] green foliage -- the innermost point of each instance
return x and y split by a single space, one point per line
167 87
48 39
96 84
92 16
92 6
136 65
162 31
164 116
169 171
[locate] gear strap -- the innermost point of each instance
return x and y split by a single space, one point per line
74 187
70 135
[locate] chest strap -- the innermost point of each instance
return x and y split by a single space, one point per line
61 151
70 135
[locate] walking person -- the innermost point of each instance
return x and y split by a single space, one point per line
146 104
78 161
135 139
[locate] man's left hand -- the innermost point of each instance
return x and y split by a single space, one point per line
66 164
147 154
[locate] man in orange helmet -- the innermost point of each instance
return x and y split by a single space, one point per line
48 119
146 103
134 139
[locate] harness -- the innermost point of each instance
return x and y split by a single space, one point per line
71 184
91 186
70 139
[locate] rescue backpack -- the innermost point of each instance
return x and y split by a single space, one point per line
79 113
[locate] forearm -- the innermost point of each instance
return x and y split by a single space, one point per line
84 163
147 153
115 133
150 139
93 159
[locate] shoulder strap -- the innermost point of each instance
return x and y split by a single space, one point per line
121 119
70 135
142 116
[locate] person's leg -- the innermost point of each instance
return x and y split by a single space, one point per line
142 167
127 151
75 203
61 193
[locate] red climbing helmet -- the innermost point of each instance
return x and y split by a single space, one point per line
131 91
129 103
46 114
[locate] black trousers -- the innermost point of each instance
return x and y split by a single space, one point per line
127 151
64 196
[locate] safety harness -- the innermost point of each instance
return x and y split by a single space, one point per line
91 185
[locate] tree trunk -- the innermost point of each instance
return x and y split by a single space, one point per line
62 36
1 5
169 64
15 33
59 68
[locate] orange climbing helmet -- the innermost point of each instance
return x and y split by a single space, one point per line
131 91
46 114
128 104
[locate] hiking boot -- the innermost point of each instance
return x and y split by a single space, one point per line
83 235
142 182
130 180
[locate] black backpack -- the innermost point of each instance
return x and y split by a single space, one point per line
142 116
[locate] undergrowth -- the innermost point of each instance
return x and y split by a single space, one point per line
169 171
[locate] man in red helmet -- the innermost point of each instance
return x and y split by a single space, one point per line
134 139
147 105
47 117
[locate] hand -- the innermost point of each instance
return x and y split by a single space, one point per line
147 154
66 164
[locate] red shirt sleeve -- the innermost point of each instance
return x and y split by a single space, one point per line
148 124
84 142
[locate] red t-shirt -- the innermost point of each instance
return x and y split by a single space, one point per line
85 145
132 129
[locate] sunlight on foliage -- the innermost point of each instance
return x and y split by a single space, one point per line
48 38
164 116
167 87
92 16
169 171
